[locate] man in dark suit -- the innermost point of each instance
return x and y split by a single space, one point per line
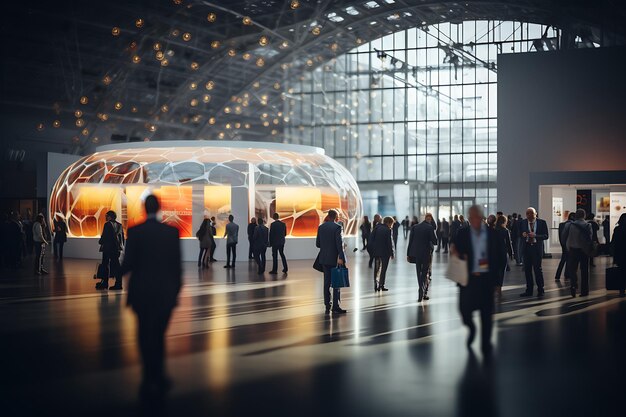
153 259
213 226
278 231
383 249
445 234
455 225
534 232
111 241
563 227
421 240
251 227
260 240
395 231
331 254
485 255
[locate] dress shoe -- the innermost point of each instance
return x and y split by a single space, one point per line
426 298
541 293
376 289
557 279
573 292
285 271
116 287
383 289
421 296
470 337
273 272
227 266
338 310
526 294
101 286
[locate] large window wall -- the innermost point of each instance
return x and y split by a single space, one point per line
426 113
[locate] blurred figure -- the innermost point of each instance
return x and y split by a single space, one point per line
383 250
491 221
278 231
618 246
462 222
421 239
40 243
414 221
563 230
606 232
395 230
366 230
205 236
377 220
482 249
111 244
60 237
213 225
232 237
4 240
438 231
504 237
578 235
445 234
251 226
260 242
406 226
330 242
455 225
595 228
153 259
534 232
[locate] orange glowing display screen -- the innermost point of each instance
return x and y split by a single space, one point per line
217 201
176 207
89 205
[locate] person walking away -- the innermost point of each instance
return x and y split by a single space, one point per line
406 226
60 237
618 246
260 241
480 246
377 219
205 237
251 226
232 237
595 227
438 231
578 235
534 232
330 243
421 239
111 244
366 230
563 227
504 237
606 233
395 231
383 250
455 225
213 228
445 234
153 259
278 232
40 243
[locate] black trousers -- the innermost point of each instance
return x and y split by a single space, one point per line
259 256
112 261
364 239
380 270
439 239
327 269
231 248
250 249
444 244
406 232
151 336
201 255
575 258
421 268
478 295
213 246
532 264
562 264
278 250
58 249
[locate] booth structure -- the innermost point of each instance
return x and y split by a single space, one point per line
194 179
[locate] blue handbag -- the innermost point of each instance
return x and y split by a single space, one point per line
339 277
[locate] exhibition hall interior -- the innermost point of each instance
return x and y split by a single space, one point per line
313 208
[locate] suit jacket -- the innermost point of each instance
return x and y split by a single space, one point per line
421 239
454 228
562 226
330 243
541 230
381 241
251 227
278 231
108 239
395 228
618 245
445 230
153 259
496 251
260 239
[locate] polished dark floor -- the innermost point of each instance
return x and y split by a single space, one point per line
241 344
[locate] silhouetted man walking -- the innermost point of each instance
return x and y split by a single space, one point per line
278 231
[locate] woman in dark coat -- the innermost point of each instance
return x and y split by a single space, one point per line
618 246
205 236
377 219
60 237
505 238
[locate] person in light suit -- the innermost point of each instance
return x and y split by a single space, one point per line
534 232
330 243
485 254
153 259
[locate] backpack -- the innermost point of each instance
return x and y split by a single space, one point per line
591 248
119 235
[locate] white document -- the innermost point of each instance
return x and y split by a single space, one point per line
457 270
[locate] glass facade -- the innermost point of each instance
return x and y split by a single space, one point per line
424 113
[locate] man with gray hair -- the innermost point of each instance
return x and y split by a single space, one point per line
534 231
486 256
577 237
